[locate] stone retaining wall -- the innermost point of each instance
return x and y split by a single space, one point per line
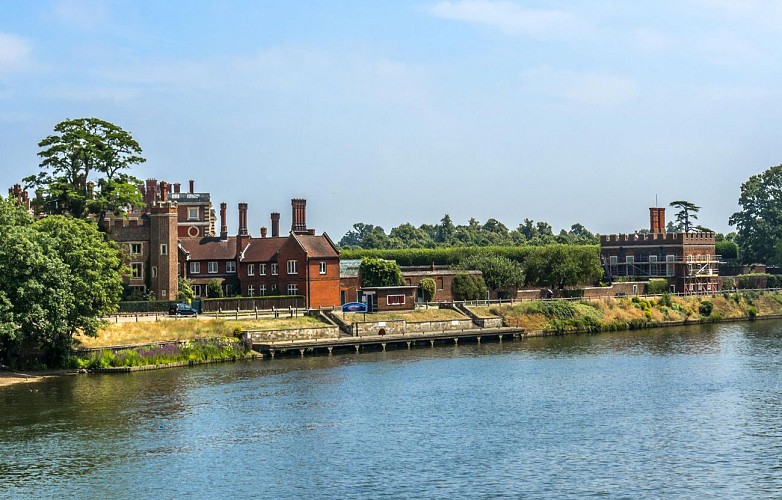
330 332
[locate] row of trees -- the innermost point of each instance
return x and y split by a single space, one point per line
446 234
58 276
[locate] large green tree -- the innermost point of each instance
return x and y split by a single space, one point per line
499 273
687 212
57 276
558 266
84 170
759 222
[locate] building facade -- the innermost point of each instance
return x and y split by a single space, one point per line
688 261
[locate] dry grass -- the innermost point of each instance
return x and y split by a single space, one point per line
167 330
413 316
482 311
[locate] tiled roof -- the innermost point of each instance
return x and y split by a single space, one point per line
262 249
317 246
209 248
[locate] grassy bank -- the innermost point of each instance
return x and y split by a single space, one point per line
159 331
212 349
412 316
632 313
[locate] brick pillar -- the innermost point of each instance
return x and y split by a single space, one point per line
223 225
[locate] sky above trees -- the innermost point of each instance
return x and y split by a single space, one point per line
402 111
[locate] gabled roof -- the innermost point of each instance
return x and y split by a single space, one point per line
317 246
262 249
209 248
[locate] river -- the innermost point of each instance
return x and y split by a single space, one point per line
688 412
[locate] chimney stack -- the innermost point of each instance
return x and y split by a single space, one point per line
243 219
192 186
177 187
263 232
150 193
163 191
223 226
657 220
299 209
275 224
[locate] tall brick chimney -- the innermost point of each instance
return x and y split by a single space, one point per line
243 219
192 186
275 224
223 226
150 192
163 191
299 213
656 220
177 187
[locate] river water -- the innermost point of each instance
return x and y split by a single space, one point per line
687 412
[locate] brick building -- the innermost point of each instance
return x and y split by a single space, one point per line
174 235
687 260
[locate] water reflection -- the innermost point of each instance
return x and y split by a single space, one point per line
684 411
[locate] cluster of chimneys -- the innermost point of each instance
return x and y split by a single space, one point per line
656 220
153 191
298 224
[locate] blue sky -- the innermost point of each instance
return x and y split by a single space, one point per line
401 111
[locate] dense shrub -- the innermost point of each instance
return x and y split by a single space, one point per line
429 288
657 287
705 308
468 287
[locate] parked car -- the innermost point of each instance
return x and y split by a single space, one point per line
181 310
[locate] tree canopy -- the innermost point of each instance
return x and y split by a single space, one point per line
499 273
759 222
378 272
58 276
687 211
84 170
473 234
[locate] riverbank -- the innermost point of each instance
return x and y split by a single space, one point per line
616 314
8 378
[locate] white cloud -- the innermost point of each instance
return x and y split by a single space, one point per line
511 18
14 51
600 89
81 13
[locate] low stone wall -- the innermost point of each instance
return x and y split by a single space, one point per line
388 327
488 322
438 326
329 332
400 327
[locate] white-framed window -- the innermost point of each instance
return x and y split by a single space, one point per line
261 290
654 269
395 300
163 293
262 269
274 269
195 267
292 267
154 271
630 261
164 249
230 266
613 261
322 268
192 213
250 290
293 289
135 249
250 269
212 267
136 270
669 265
